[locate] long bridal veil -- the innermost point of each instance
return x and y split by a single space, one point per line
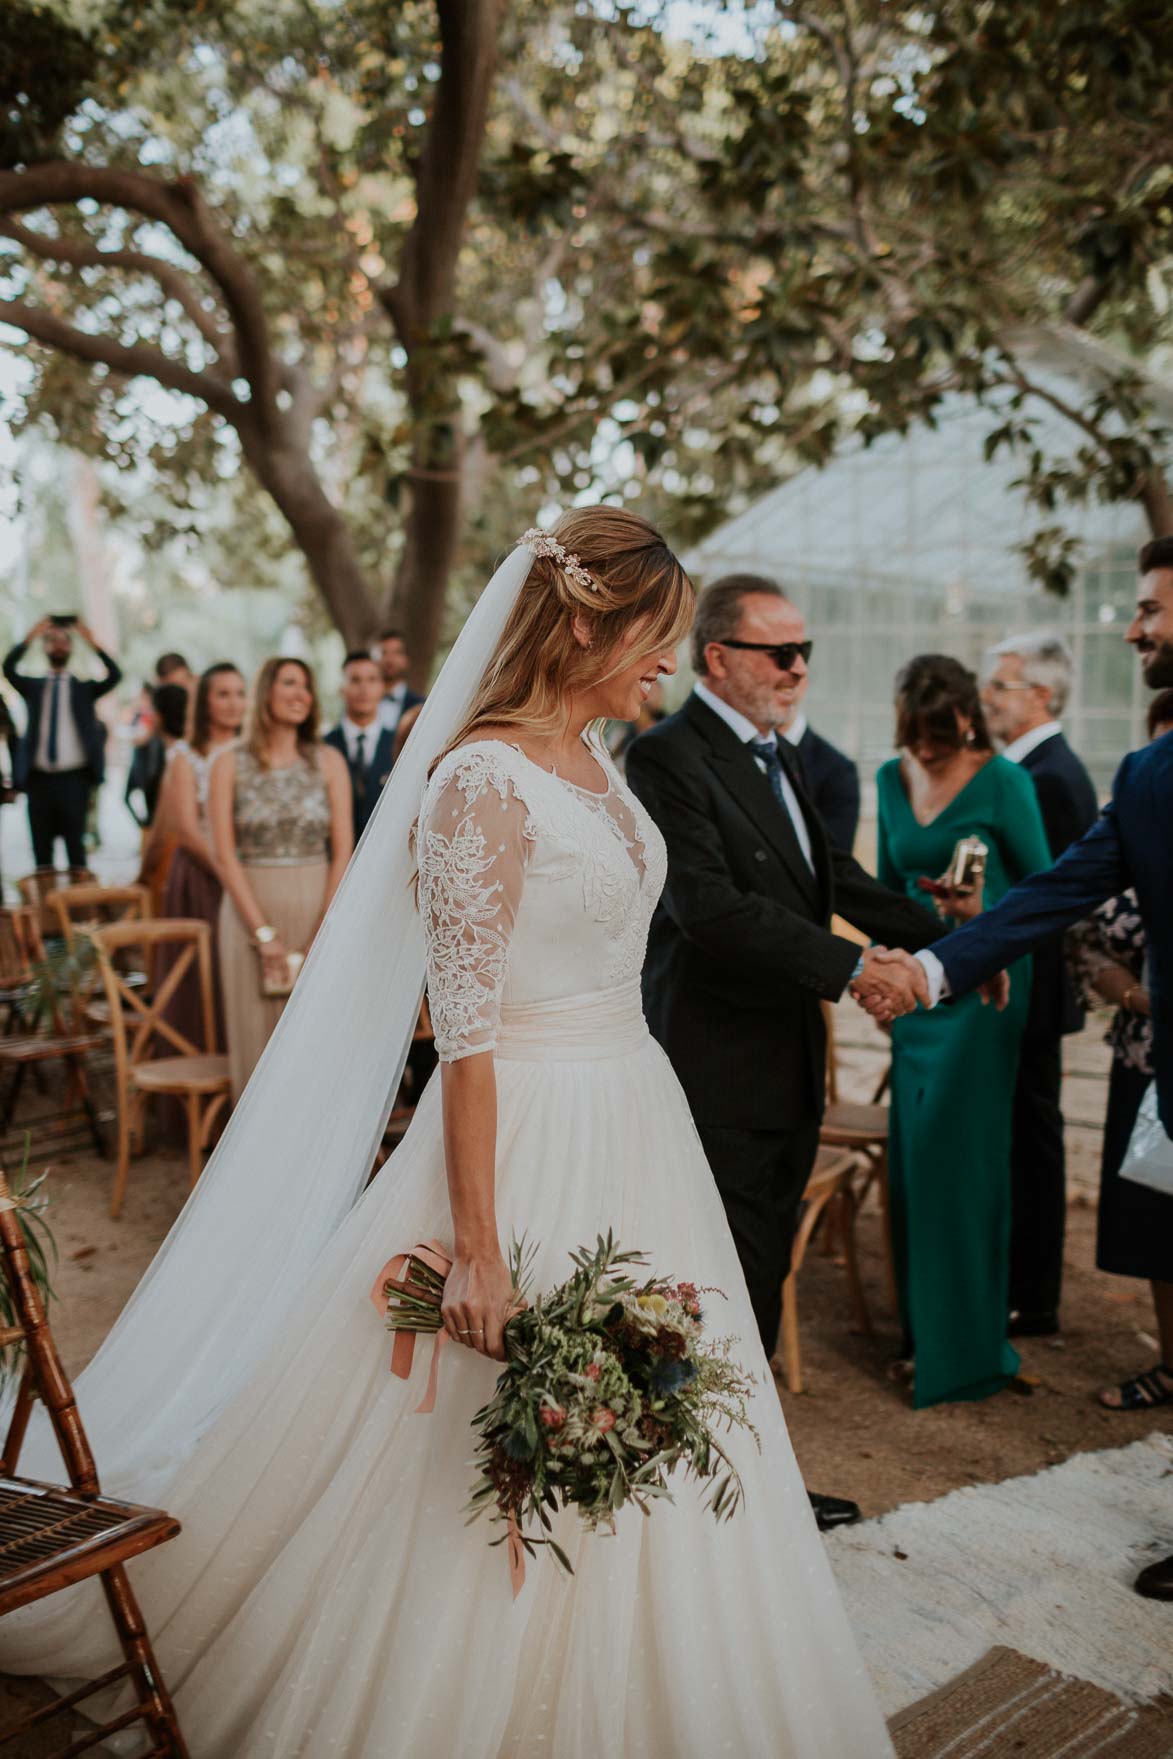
300 1144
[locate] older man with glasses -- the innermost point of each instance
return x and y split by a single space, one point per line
741 951
1028 682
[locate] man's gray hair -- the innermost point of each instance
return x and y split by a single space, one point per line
1046 660
718 611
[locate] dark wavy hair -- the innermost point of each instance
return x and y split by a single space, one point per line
201 722
931 691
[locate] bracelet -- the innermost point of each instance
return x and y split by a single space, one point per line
1125 1001
263 935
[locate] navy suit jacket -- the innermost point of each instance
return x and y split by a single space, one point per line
1067 801
832 781
1130 844
368 783
83 694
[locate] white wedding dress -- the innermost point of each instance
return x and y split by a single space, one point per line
325 1599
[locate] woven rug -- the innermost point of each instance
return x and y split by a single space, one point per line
1007 1704
1043 1565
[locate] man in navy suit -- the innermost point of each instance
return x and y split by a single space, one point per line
62 755
395 663
1028 682
362 738
832 780
1130 844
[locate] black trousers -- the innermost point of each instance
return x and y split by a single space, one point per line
761 1175
1038 1175
58 801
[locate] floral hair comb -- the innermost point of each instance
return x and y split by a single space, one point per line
540 543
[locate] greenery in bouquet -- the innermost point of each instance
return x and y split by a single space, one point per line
610 1384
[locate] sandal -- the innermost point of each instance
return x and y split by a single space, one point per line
1143 1393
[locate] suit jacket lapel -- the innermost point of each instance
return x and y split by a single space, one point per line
741 777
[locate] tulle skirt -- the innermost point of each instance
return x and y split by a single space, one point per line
325 1596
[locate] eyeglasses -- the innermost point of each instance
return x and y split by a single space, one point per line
783 653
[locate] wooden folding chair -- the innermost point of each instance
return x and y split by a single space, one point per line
78 910
197 1075
37 888
861 1126
829 1189
53 1536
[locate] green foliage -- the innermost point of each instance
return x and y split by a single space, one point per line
32 1202
46 68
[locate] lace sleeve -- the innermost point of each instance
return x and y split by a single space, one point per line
474 843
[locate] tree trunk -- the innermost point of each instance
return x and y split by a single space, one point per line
416 602
322 536
1158 504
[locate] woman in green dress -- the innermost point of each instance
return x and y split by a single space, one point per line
953 1070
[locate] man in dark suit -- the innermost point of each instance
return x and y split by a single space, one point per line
395 663
61 757
832 780
1130 844
361 737
741 953
1027 685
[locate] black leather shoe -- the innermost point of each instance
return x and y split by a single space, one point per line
833 1511
1033 1325
1156 1583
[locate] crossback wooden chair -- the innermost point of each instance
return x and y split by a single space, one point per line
38 887
61 1037
20 949
81 908
196 1073
53 1536
830 1192
862 1126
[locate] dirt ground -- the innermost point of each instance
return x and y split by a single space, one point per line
853 1429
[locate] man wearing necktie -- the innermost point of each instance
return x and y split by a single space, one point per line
741 953
62 755
362 738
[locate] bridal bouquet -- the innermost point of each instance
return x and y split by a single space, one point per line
609 1385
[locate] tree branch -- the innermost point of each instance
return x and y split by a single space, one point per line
181 208
174 282
130 362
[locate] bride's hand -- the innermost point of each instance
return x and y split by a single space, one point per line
478 1299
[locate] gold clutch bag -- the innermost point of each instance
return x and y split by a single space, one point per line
275 987
967 865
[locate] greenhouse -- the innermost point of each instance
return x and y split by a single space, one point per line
911 545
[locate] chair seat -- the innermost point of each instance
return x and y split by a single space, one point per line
49 1532
42 1050
181 1075
848 1124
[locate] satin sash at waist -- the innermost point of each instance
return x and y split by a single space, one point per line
587 1028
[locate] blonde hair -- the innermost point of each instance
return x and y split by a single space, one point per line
260 716
539 661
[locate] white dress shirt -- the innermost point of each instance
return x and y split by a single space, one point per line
351 732
1026 742
746 731
70 750
794 732
391 707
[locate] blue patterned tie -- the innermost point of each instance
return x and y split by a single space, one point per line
767 751
54 701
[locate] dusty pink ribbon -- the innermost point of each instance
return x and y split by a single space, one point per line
403 1355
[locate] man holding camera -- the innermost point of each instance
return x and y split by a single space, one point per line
62 754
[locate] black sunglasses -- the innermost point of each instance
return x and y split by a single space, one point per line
783 653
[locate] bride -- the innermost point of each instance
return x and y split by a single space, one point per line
325 1597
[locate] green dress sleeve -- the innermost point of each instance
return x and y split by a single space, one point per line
887 872
1024 839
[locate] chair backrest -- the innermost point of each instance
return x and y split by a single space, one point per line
21 946
94 906
832 1069
37 888
43 1377
136 1019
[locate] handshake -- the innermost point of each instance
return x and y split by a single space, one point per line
892 982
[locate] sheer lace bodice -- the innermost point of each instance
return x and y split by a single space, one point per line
530 888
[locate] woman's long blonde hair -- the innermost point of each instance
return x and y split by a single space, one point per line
260 716
539 662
